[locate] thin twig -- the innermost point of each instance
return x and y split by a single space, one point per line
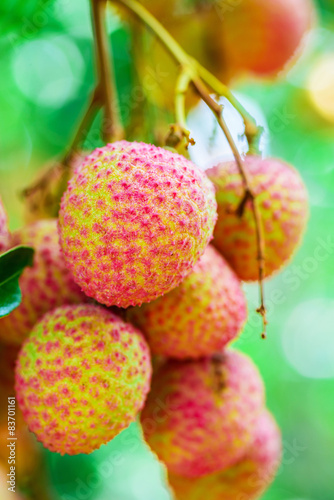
112 128
193 67
248 194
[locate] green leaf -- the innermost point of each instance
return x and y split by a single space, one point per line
12 264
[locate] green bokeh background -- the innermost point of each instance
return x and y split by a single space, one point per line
46 74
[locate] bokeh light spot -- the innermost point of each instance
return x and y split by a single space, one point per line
308 338
321 86
48 71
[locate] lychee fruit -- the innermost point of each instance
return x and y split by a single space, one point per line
133 222
200 316
249 35
81 378
4 232
246 480
200 415
44 286
283 204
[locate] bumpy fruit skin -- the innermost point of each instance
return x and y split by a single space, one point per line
248 479
282 200
4 232
250 34
200 316
200 415
133 222
81 378
46 285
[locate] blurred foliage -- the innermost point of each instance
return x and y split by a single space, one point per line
46 75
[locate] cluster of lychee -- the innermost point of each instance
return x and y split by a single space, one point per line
133 278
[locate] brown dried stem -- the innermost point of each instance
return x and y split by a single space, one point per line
104 95
249 195
112 128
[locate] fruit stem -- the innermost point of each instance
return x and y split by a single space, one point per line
249 195
112 128
195 69
181 89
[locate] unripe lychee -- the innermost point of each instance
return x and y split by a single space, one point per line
44 286
133 222
81 378
246 480
282 200
200 415
200 316
249 35
4 232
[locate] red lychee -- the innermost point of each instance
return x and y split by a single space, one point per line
200 316
44 286
282 199
200 415
246 480
133 222
262 36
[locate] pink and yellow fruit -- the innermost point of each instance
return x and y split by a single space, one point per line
200 316
200 415
246 480
249 33
134 221
44 286
81 378
4 232
282 200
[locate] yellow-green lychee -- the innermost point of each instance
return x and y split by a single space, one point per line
81 377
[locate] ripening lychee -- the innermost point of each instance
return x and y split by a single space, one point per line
81 377
282 199
200 316
249 34
200 415
44 286
246 480
133 222
4 232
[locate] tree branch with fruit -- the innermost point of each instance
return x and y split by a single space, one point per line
124 273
